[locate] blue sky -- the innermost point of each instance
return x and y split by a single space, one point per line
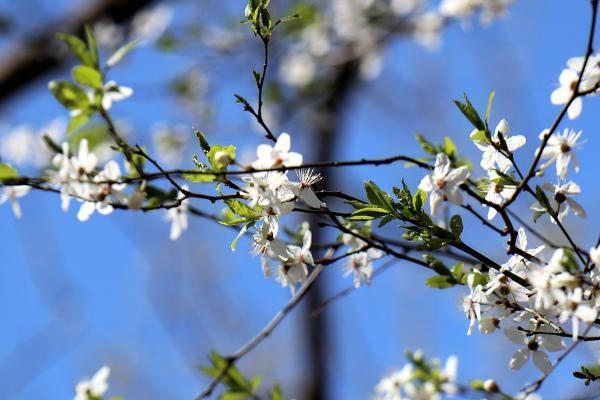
116 291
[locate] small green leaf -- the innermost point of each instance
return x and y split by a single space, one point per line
194 176
69 95
470 113
276 393
457 271
478 136
368 213
456 225
202 140
242 209
7 172
489 107
378 197
88 76
234 395
427 146
440 282
542 198
419 199
92 46
449 146
78 120
52 145
77 47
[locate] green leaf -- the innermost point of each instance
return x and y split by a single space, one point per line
385 220
7 172
440 282
368 213
470 113
88 76
457 271
488 110
199 178
69 95
93 47
121 52
437 265
77 47
52 145
378 197
419 199
542 198
276 393
456 225
478 136
202 140
242 209
78 120
234 395
427 146
449 146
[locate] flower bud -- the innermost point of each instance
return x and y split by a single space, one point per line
491 386
223 158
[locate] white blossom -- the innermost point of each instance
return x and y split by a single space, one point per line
265 243
303 188
361 265
443 183
13 194
390 386
94 387
103 191
561 148
573 307
533 348
517 262
278 155
561 201
113 92
568 80
492 156
497 193
472 302
295 269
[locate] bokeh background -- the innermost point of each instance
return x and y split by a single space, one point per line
116 291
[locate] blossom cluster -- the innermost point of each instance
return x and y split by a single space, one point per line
419 379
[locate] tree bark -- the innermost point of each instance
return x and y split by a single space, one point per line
325 133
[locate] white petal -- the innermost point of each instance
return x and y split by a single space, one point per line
435 199
514 335
541 361
552 343
310 198
515 142
293 160
458 176
519 359
575 108
86 209
283 143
